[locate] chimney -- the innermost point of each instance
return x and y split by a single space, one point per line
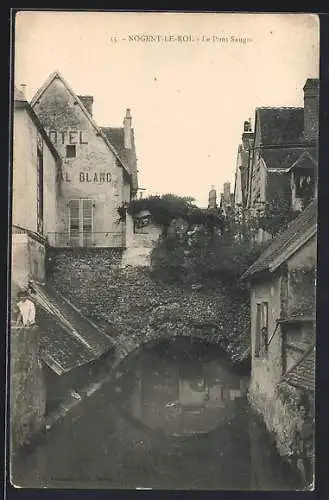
212 199
87 101
227 192
23 88
311 109
248 135
127 131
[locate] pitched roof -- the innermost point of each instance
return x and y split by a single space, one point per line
281 125
116 136
69 339
302 374
22 103
98 129
312 83
285 158
303 224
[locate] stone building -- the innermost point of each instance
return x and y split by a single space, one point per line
277 162
35 187
226 199
282 284
99 168
51 358
36 173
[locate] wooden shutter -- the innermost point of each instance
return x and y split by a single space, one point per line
74 222
257 330
87 221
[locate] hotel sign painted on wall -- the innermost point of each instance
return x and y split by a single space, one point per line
98 177
67 136
72 137
88 177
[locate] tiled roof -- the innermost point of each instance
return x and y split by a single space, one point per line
68 338
302 223
302 374
312 83
115 135
281 125
284 158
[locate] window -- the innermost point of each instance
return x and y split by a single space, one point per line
80 222
70 151
40 191
261 340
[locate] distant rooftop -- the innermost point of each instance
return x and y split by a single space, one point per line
281 125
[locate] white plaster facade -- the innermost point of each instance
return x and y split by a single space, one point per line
96 181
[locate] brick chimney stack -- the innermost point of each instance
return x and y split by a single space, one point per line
212 199
127 130
227 192
23 88
311 109
87 101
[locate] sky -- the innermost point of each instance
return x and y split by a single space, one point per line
188 97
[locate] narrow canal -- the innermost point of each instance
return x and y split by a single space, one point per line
176 419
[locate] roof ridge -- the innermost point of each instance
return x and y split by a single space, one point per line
277 245
281 107
57 74
301 359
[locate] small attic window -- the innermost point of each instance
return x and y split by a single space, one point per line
70 151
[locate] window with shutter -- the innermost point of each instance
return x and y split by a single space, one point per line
80 222
257 336
261 337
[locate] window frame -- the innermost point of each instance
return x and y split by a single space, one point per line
70 147
82 234
261 330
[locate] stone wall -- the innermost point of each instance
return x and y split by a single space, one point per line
82 271
27 259
289 417
140 244
93 172
138 309
266 370
28 391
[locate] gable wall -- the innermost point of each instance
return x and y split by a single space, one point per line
94 173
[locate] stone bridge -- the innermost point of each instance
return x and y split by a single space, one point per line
167 322
131 308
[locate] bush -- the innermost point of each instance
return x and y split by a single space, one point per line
209 258
167 207
167 260
229 259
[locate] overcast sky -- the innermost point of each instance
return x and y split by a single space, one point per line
188 99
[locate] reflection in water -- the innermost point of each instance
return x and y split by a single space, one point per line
181 397
178 419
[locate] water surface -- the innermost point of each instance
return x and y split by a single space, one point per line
176 419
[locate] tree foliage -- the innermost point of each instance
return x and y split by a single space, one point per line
169 206
276 215
219 257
